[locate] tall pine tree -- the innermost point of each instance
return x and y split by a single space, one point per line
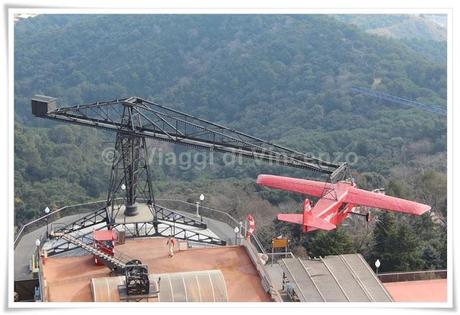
395 245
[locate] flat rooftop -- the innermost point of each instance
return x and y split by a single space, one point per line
418 291
68 278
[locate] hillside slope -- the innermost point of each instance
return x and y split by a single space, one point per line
279 77
413 26
424 35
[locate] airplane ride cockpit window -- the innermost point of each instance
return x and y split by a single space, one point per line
343 207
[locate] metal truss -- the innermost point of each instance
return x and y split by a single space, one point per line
135 230
169 226
130 174
343 172
166 214
93 218
166 229
167 124
63 245
130 168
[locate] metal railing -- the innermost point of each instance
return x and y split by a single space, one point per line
215 214
180 205
176 204
273 258
412 275
56 215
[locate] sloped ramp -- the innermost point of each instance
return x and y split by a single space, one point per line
196 286
340 278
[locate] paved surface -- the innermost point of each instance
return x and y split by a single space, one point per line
68 278
221 229
418 291
342 278
26 246
276 275
144 215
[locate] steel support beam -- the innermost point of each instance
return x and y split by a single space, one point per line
167 124
93 218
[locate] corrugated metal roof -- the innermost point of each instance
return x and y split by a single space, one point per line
341 278
195 286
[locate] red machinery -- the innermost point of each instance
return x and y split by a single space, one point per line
104 240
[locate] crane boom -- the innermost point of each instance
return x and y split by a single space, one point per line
166 124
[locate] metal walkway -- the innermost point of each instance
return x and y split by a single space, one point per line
111 262
342 278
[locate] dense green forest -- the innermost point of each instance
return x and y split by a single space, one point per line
284 78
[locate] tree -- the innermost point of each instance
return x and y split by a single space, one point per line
336 242
395 245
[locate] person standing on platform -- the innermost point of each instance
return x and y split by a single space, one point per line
171 242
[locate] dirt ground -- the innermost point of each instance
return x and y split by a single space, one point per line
68 278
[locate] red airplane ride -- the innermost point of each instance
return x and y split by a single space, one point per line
335 203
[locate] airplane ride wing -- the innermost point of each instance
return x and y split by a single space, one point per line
375 200
303 186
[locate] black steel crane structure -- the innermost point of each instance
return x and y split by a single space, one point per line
134 120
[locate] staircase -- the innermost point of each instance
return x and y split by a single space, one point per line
115 264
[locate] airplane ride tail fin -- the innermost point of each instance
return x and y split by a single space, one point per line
318 223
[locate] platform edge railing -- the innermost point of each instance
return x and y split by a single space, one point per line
188 207
52 217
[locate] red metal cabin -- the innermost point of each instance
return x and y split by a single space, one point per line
105 242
